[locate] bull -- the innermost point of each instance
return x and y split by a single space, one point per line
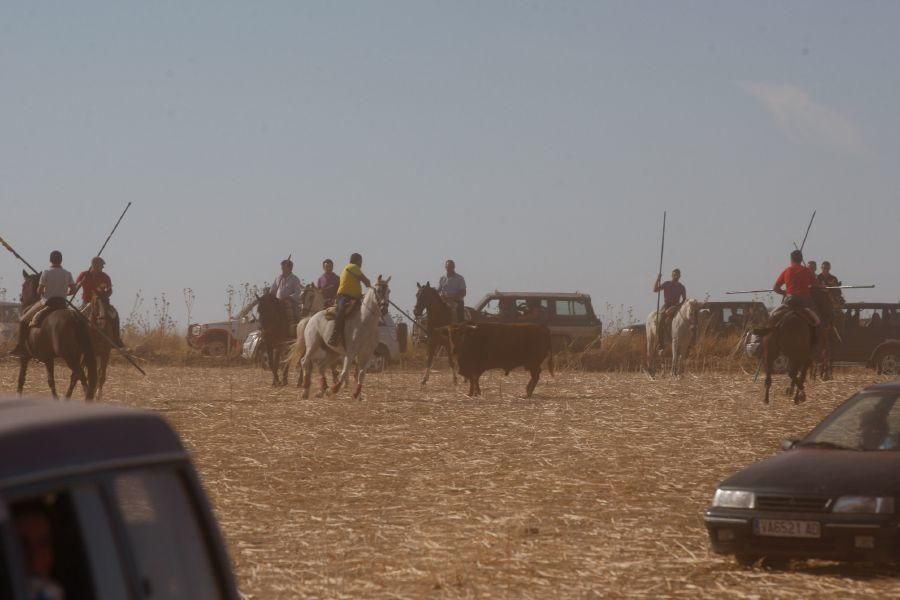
480 347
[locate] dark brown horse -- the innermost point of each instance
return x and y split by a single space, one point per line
98 314
429 301
832 324
275 333
63 334
794 338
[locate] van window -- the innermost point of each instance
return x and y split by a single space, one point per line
170 550
570 308
51 537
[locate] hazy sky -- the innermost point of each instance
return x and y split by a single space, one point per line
536 143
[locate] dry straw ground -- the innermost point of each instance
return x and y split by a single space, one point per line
594 488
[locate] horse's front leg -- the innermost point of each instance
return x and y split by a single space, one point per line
452 365
800 395
360 376
73 381
428 361
345 373
23 369
51 379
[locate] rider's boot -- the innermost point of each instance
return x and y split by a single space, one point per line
335 339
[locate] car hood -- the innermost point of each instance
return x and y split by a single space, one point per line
822 472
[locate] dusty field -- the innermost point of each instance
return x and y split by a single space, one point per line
594 488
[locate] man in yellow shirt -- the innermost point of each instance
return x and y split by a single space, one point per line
350 288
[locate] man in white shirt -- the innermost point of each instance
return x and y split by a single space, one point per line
54 285
452 288
287 287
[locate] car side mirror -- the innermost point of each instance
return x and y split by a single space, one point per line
789 443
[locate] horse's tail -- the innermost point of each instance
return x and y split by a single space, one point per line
550 361
83 335
298 348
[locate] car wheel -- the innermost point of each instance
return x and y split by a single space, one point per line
889 362
215 348
560 343
379 360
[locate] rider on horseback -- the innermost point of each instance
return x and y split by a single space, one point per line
55 284
95 280
796 284
328 282
452 288
827 279
349 290
287 288
674 294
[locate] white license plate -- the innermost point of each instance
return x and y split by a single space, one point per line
787 528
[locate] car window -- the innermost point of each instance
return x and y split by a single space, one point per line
172 556
66 545
570 308
870 422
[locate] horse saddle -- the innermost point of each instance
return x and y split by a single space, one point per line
350 307
52 305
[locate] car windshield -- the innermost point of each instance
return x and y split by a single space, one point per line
868 421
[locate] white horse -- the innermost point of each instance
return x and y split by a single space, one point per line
683 329
360 341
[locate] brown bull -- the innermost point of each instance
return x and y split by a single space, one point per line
479 347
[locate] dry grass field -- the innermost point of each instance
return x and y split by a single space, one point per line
594 488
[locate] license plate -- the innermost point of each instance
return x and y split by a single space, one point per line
787 528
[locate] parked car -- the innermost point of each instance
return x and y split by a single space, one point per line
221 337
832 494
392 341
569 316
886 358
112 508
864 327
9 323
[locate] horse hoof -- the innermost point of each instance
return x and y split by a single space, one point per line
799 398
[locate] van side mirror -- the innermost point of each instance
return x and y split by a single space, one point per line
789 443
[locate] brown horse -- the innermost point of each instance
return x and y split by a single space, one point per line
832 324
428 300
63 334
275 334
98 314
793 337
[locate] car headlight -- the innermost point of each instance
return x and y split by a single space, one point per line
734 499
873 505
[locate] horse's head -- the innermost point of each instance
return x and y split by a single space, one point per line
425 295
308 299
271 312
29 293
382 293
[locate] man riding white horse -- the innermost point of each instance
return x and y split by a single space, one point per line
452 288
674 294
349 291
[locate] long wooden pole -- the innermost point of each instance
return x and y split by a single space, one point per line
662 249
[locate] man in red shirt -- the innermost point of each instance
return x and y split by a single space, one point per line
95 280
796 284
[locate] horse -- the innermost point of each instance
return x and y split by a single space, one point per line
684 332
793 338
63 334
832 323
687 323
360 341
428 300
274 327
312 300
102 327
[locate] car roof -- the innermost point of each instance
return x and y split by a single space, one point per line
560 295
45 438
887 386
870 305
